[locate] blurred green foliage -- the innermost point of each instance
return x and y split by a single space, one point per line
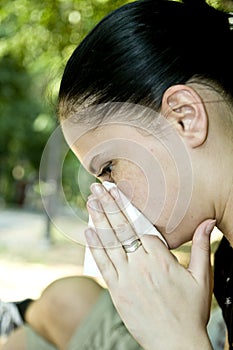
36 39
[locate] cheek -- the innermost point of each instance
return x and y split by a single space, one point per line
168 216
155 194
163 201
132 181
150 195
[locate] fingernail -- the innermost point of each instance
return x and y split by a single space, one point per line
210 227
94 204
97 189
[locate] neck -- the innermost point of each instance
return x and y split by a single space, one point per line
224 172
225 223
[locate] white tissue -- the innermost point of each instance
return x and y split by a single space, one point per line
137 219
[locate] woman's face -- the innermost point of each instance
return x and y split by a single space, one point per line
154 172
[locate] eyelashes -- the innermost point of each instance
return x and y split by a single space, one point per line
106 170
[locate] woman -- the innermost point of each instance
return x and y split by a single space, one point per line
146 102
174 59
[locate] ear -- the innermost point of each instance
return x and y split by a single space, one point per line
184 108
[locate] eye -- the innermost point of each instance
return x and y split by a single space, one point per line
106 170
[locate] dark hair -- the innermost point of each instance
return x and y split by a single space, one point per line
136 52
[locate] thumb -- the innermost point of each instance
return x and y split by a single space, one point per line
199 265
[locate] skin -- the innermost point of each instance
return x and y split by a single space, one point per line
181 297
74 297
197 125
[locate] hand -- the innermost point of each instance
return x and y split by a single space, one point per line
163 305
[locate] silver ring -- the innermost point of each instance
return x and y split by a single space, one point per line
133 246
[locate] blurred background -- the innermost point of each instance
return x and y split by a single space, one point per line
36 39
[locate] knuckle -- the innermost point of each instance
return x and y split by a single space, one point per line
123 231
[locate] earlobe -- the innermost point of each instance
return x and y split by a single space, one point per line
183 107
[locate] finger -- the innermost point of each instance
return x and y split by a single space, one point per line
116 215
199 264
106 234
101 223
156 248
105 265
141 225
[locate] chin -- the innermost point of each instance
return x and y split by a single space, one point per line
175 239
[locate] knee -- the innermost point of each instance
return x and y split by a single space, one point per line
71 297
70 293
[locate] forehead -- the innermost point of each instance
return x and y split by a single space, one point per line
114 117
108 141
120 134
